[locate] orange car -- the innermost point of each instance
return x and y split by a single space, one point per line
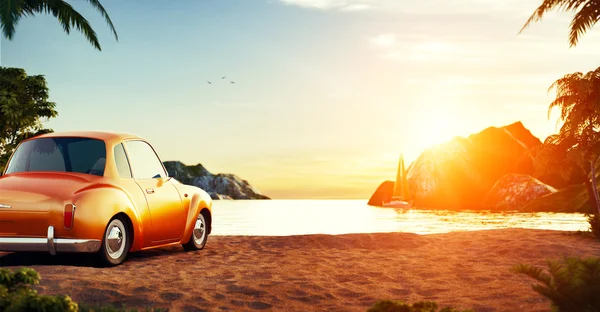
97 192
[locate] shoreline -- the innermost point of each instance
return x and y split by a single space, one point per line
345 272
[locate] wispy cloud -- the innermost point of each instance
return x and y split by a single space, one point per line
431 7
401 48
356 7
343 5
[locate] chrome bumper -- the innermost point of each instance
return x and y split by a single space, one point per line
49 244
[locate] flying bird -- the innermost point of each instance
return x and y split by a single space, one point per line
209 82
232 82
223 77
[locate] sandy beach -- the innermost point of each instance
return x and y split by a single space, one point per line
319 272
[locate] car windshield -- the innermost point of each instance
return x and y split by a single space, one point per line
65 154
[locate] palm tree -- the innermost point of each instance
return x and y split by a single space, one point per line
587 14
578 98
11 11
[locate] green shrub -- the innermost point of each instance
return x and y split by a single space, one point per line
16 294
594 221
572 284
399 306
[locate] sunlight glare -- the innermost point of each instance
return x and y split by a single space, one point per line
437 126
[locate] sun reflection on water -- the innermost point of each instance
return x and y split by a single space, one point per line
298 217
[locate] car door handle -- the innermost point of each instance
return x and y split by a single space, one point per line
150 191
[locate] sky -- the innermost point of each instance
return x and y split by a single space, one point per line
327 93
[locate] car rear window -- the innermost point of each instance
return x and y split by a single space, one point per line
65 154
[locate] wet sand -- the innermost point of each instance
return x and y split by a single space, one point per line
318 272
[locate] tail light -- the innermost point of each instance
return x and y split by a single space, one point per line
69 216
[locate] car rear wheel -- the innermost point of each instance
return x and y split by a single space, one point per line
116 242
199 235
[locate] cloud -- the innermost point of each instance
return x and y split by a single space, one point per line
342 5
407 48
356 7
510 8
384 40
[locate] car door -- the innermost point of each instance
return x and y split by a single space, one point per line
165 207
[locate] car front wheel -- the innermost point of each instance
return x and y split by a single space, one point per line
116 242
199 235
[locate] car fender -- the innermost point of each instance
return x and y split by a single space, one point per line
199 200
95 207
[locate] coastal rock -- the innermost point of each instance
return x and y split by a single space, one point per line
214 195
458 174
514 191
382 194
219 186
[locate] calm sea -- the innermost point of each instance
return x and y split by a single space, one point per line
297 217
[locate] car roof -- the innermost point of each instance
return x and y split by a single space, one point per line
100 135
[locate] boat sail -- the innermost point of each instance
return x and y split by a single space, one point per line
401 196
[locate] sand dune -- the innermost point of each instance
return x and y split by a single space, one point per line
319 272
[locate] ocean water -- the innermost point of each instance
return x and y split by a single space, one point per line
298 217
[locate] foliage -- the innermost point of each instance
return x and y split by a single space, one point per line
578 99
572 284
399 306
11 11
23 105
594 221
553 165
585 17
16 294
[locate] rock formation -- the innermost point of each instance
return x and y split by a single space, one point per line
219 186
514 191
382 194
458 174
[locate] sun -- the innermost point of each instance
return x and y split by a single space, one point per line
437 126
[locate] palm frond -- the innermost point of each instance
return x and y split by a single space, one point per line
586 15
68 17
11 12
583 20
96 4
537 15
534 272
571 5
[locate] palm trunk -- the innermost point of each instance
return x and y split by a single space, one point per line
592 187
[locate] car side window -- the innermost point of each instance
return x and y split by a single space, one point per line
145 164
121 162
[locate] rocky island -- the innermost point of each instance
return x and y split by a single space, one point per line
219 186
500 169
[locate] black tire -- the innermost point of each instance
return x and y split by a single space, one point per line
199 235
114 250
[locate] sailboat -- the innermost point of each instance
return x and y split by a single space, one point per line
401 196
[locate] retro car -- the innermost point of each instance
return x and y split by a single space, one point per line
97 192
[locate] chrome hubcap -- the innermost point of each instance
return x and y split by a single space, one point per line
199 230
115 239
